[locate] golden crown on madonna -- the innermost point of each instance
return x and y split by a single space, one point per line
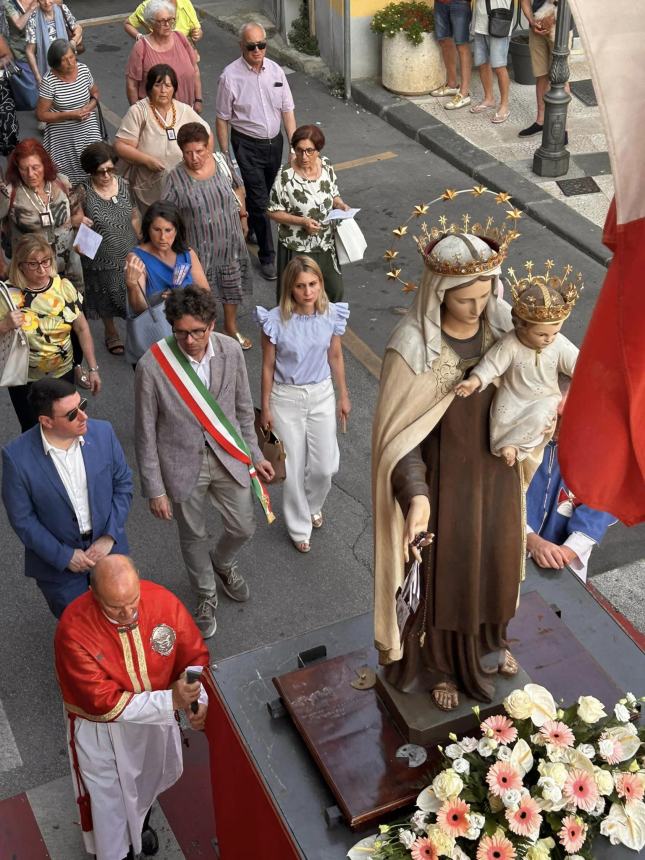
498 237
544 298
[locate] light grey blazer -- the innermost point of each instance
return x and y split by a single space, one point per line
169 440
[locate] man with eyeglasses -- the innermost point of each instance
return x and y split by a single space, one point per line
67 489
253 102
195 440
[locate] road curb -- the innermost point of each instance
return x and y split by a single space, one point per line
447 144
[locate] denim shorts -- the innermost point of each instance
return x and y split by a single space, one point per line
489 49
452 21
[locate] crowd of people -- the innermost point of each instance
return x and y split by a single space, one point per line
462 23
174 217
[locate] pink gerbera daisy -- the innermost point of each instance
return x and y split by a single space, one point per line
501 777
581 788
496 847
630 786
526 819
453 817
557 733
504 732
423 849
573 833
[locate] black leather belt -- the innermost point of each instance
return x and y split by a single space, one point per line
86 536
256 139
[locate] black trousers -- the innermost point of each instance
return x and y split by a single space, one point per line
259 162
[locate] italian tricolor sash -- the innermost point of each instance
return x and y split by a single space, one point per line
207 411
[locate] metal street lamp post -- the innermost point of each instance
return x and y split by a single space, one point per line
552 158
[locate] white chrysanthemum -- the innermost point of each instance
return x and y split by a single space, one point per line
460 765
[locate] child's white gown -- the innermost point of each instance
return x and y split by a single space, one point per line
527 399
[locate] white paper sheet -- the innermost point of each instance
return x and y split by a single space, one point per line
340 215
87 241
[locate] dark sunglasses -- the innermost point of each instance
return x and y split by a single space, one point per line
72 414
251 46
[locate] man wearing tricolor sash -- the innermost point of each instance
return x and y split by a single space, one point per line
195 440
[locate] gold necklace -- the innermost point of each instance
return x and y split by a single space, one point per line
162 123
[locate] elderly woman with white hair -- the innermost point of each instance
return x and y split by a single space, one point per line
164 45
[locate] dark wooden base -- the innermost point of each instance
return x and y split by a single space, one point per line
421 722
353 737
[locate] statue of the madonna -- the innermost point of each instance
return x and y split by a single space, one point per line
432 470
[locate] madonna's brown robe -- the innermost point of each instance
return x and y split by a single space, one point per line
471 572
477 514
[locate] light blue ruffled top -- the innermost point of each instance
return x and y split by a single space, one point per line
301 343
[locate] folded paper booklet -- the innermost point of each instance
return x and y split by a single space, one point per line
340 215
87 241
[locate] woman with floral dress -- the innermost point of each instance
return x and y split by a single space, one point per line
303 194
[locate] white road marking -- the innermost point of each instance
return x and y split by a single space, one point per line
9 755
56 813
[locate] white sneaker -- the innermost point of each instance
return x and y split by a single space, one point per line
457 101
444 90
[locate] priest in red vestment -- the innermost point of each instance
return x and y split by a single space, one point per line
121 653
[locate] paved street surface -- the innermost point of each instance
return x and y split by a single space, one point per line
384 173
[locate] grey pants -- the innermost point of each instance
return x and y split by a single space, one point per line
235 504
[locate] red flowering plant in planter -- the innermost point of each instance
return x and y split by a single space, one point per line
414 19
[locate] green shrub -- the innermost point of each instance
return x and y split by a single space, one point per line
299 35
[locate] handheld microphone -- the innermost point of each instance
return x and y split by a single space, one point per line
194 674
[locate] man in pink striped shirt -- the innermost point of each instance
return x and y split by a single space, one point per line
254 100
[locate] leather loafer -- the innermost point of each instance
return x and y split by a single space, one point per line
268 271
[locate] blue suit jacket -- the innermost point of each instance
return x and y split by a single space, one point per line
552 510
40 510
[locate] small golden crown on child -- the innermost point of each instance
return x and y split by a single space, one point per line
497 237
528 309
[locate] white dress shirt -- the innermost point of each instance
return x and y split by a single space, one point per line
71 470
202 368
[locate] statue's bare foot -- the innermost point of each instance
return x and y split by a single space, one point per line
445 696
508 454
509 665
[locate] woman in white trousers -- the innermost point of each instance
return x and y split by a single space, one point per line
301 352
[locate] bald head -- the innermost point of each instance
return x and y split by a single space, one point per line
114 581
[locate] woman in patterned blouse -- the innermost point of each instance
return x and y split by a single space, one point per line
303 194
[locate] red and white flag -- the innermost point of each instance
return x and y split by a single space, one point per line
602 439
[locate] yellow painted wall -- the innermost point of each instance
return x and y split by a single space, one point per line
361 8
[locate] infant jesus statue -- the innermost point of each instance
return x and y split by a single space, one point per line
529 359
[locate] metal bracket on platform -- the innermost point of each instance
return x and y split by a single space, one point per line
306 658
333 816
556 609
276 709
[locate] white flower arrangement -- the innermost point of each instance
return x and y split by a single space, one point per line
541 783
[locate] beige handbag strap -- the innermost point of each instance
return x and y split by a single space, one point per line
6 295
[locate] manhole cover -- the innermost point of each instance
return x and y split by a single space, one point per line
572 187
584 91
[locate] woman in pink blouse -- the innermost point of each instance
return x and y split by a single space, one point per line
164 45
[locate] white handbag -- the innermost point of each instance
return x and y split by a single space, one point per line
350 242
14 349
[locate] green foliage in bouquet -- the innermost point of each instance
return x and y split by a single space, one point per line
414 19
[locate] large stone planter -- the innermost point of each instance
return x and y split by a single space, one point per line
411 70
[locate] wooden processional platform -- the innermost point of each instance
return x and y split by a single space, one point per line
311 767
